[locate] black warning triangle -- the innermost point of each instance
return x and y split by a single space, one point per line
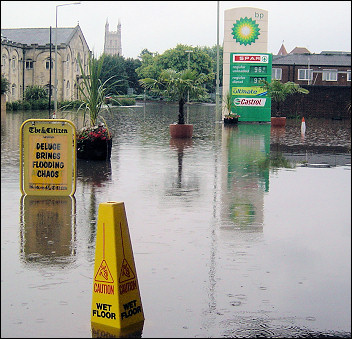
126 272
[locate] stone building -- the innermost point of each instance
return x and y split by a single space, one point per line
112 41
28 60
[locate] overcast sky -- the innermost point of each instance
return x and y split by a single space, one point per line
161 25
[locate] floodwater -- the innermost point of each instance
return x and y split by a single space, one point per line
242 231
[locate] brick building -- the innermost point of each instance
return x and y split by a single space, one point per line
328 68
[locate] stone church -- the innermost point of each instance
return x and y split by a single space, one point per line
112 41
25 59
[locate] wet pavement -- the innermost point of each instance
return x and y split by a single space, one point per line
242 231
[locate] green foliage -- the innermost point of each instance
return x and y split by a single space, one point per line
176 85
279 91
93 91
121 101
34 93
177 59
113 69
4 84
227 102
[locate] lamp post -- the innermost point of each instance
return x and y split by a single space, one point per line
217 93
55 82
189 59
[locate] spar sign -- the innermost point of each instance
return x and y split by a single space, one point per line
249 99
48 157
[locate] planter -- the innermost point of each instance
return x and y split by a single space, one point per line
230 121
181 131
278 121
94 150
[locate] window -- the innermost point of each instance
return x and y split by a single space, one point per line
329 74
68 63
47 64
349 75
13 90
3 62
14 63
29 64
305 74
276 74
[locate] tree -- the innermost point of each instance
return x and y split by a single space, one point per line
113 68
279 91
176 86
176 59
130 67
4 84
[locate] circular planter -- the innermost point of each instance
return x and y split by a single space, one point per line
278 121
181 131
94 150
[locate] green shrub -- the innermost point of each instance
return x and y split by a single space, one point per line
26 106
34 93
16 105
9 106
122 101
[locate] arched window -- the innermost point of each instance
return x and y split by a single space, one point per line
13 63
3 61
13 90
68 63
47 63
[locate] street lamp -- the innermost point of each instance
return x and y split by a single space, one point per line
55 82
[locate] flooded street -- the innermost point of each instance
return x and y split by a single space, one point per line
242 231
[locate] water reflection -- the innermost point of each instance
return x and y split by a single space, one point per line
182 185
225 243
48 230
245 148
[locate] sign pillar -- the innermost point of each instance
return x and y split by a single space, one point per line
245 47
116 301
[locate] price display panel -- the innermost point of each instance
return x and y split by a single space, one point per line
249 98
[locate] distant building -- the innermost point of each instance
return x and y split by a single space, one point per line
25 59
329 68
112 42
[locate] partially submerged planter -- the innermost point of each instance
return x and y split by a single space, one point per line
278 121
94 150
181 131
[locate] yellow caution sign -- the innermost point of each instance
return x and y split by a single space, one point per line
116 299
48 157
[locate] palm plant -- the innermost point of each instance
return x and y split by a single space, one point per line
279 91
93 91
227 101
177 86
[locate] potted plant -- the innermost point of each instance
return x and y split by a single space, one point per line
94 141
177 86
230 118
279 92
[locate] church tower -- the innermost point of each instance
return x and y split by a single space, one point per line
112 42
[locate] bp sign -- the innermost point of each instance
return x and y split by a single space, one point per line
249 99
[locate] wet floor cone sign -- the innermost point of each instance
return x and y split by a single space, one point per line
116 300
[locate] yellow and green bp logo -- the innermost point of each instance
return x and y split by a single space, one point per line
245 31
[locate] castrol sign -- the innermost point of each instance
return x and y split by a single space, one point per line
250 102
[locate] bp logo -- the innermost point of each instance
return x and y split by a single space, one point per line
245 31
